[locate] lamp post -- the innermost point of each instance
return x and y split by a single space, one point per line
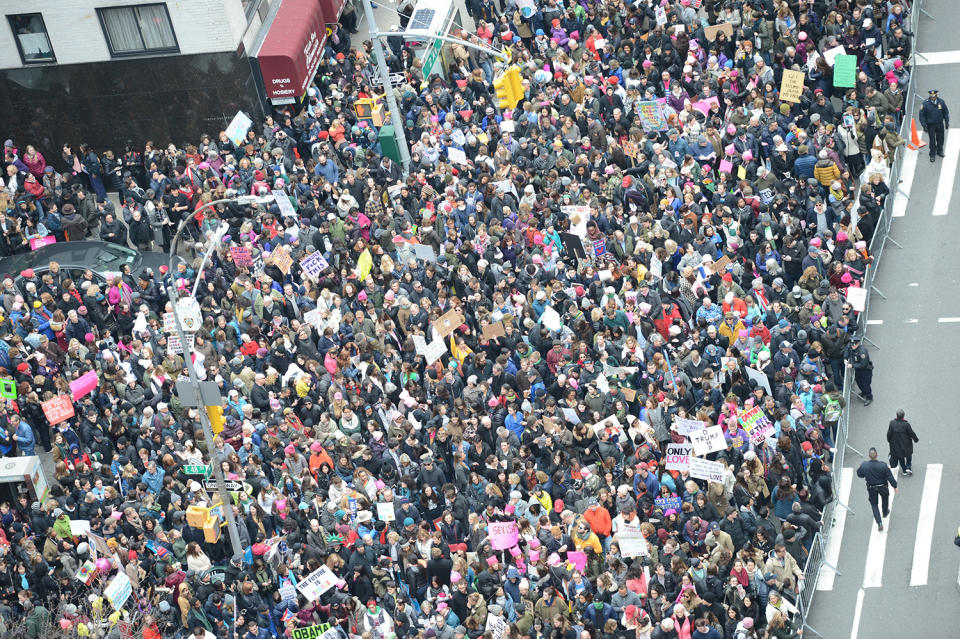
225 497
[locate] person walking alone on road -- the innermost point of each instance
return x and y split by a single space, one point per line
859 359
901 438
878 476
935 120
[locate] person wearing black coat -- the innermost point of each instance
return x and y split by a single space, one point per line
901 438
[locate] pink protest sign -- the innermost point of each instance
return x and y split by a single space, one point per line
503 534
37 242
84 384
725 166
578 558
57 409
241 255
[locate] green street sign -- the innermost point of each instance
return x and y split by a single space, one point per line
197 469
431 57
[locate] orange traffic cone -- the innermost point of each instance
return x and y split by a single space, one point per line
915 141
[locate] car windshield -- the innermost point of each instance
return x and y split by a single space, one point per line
115 256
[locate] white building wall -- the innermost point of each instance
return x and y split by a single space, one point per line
201 26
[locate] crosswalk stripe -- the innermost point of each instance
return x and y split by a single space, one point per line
948 172
928 513
877 548
825 581
908 170
937 57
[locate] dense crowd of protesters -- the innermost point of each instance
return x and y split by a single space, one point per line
566 318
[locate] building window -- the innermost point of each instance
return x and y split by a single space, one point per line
138 29
31 36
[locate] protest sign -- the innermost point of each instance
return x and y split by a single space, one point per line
687 426
314 264
119 590
242 255
457 156
661 15
503 534
705 469
8 389
174 347
551 319
755 423
632 544
707 440
84 385
288 592
712 31
610 425
666 503
496 625
386 512
791 86
721 265
491 331
857 298
420 344
435 350
317 583
39 242
314 318
282 260
237 129
448 322
651 116
578 558
284 203
678 456
58 409
704 106
845 71
759 378
310 632
830 55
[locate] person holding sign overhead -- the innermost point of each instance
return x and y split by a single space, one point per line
935 119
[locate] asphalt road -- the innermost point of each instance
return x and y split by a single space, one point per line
914 370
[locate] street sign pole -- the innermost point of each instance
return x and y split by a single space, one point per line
397 118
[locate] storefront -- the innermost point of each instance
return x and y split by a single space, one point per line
290 52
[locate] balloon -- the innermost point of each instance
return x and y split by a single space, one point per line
103 565
65 624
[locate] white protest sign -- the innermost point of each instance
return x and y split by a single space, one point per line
237 130
707 440
610 425
760 378
656 267
288 592
457 156
857 298
420 344
551 319
119 590
283 201
570 415
496 626
706 469
602 384
830 55
314 264
317 583
661 15
687 426
435 350
314 318
678 456
174 347
632 544
385 511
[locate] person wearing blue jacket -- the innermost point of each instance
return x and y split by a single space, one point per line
23 434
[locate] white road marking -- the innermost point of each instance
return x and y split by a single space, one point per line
908 170
948 172
937 57
948 320
912 320
928 513
877 548
827 574
856 615
874 322
914 284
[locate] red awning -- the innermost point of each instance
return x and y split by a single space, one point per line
291 51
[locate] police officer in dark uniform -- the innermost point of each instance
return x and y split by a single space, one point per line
859 360
935 119
879 478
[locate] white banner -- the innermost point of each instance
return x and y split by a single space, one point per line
317 583
687 426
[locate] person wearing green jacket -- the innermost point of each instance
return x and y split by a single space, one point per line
37 620
61 524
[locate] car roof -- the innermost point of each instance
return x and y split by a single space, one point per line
98 256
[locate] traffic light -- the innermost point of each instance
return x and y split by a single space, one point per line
509 88
215 414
